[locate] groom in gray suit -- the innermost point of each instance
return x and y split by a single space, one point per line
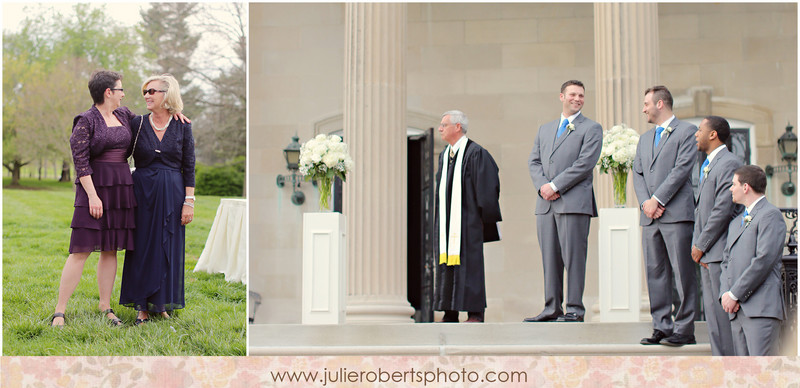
751 267
714 212
662 180
564 154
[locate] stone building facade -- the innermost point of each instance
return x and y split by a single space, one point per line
382 73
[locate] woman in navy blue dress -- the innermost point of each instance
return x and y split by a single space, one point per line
103 218
163 153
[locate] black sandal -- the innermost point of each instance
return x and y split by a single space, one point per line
112 321
57 315
138 321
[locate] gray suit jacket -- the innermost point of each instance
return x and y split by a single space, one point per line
567 162
715 208
666 172
751 262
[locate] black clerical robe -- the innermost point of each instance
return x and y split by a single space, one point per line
463 287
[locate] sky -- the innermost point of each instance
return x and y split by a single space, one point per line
125 13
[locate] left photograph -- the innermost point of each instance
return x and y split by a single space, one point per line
124 185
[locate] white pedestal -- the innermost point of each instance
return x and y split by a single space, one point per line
324 268
620 265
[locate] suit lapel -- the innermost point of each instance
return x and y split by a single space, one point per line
711 165
752 215
548 139
739 231
566 133
665 138
649 138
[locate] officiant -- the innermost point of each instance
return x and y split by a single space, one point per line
467 213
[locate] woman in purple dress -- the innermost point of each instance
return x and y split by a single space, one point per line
163 153
103 219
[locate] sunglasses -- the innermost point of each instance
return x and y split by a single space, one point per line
152 91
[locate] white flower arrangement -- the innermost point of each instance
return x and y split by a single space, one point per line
571 127
616 158
747 220
323 158
619 149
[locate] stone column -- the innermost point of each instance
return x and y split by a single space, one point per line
375 193
626 63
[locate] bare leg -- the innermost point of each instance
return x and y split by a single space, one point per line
70 276
106 273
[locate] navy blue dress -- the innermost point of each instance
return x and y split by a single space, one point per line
152 277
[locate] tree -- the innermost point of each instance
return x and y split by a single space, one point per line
169 44
224 130
46 69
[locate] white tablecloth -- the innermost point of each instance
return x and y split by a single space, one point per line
226 247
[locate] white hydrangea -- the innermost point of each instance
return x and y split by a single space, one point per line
324 154
619 148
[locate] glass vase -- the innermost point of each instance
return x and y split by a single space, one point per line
325 194
620 181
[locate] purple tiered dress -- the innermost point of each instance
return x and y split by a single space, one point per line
101 151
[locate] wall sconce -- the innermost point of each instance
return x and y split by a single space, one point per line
787 144
292 155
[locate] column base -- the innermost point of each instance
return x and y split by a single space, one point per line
379 310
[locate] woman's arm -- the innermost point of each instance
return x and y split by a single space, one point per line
187 213
95 203
187 165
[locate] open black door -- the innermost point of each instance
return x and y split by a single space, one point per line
421 188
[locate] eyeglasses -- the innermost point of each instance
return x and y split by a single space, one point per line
444 124
120 89
152 91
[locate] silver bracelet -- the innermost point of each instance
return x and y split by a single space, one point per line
190 197
188 204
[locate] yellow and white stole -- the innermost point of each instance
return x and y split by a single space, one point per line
450 252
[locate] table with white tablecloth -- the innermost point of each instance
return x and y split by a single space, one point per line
226 247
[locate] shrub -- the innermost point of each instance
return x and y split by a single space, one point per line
225 180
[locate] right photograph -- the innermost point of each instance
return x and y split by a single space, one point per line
561 179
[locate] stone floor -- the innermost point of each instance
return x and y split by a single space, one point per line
466 339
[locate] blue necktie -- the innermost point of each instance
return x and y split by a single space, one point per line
658 136
702 170
744 215
562 127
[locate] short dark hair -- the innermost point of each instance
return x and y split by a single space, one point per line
720 126
754 176
661 92
100 81
572 82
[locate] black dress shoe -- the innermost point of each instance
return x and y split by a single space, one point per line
570 317
678 340
658 335
542 318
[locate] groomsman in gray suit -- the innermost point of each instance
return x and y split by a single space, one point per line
564 154
662 180
751 267
714 212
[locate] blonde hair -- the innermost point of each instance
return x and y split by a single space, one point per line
172 98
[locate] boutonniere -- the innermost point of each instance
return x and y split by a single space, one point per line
706 169
571 127
747 220
667 132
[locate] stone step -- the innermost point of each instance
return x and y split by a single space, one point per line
573 339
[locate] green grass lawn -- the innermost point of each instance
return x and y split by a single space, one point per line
36 234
